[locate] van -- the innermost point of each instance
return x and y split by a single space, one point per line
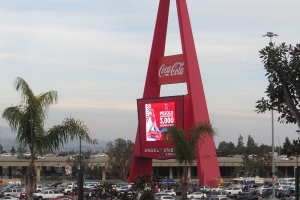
288 181
11 192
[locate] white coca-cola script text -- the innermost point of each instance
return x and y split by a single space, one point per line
176 69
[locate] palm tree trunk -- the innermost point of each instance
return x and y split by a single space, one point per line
30 178
184 182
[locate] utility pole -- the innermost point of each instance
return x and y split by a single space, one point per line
270 35
0 143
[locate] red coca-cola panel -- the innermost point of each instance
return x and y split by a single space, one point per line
171 69
155 117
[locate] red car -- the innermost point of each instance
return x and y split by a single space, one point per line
63 198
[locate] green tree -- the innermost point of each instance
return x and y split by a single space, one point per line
250 142
74 161
248 167
140 182
93 172
27 119
240 141
282 64
227 148
185 146
119 156
263 150
224 144
13 151
287 147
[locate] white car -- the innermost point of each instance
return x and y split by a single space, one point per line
160 196
100 155
27 154
6 154
167 197
41 157
196 195
170 192
234 190
10 198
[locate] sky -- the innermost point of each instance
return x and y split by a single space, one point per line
95 54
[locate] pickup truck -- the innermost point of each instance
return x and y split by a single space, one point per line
46 194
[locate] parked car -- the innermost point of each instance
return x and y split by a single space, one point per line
218 198
54 184
10 198
234 190
6 154
170 192
62 153
167 197
27 154
47 194
220 194
11 192
247 195
99 155
62 198
194 189
67 190
196 195
20 156
160 196
41 157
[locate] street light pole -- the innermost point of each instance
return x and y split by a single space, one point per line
297 172
80 175
0 143
270 35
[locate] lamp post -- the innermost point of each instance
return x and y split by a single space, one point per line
0 143
297 171
80 175
270 35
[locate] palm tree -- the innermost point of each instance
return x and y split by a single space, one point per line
27 119
185 146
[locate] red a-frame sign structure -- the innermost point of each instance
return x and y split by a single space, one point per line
184 110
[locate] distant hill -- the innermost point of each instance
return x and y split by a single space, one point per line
7 140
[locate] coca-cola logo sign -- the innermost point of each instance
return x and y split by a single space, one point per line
171 69
176 69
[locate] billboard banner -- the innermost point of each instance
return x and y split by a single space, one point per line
155 117
171 69
159 116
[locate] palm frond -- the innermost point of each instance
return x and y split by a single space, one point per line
199 131
69 130
185 143
12 116
23 88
